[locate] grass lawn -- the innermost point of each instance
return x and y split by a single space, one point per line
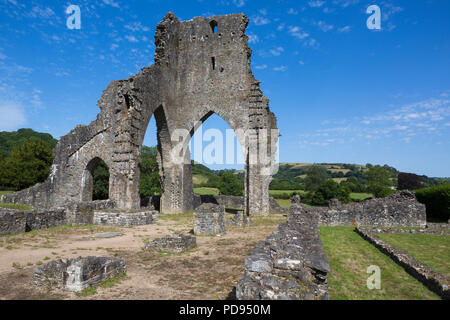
203 191
360 196
431 249
273 193
284 203
349 256
15 206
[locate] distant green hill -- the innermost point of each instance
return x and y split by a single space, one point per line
8 140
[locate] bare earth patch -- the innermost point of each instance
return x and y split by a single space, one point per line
209 271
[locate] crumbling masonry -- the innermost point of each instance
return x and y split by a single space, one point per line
202 66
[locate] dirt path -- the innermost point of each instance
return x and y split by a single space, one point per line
210 271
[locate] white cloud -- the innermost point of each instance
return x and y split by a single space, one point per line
239 3
296 31
316 3
301 63
324 26
345 29
292 11
131 38
111 3
253 38
260 20
137 26
280 68
277 51
264 66
13 116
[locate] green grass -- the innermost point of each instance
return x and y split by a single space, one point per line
204 191
349 256
431 249
284 203
273 193
87 292
5 192
360 196
15 206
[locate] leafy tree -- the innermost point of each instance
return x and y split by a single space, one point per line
149 182
28 164
328 190
101 182
9 140
378 181
229 184
316 176
409 181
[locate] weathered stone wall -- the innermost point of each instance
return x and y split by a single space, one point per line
78 274
398 210
175 242
82 213
17 221
129 218
290 264
198 71
209 219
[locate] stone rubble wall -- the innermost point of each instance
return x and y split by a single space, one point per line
398 210
436 282
17 221
82 213
78 274
128 218
290 264
209 219
175 242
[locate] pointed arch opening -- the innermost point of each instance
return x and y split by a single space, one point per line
95 181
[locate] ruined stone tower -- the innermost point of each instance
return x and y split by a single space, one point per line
202 66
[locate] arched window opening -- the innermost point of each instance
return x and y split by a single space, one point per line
217 159
213 25
95 181
149 180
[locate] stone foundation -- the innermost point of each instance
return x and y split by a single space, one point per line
209 219
78 274
176 243
398 210
125 218
82 213
17 221
290 264
240 219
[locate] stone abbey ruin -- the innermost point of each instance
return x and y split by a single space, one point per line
202 66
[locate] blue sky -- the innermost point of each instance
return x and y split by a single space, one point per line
341 92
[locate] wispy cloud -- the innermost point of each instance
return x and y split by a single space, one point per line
421 119
297 32
13 116
344 29
276 51
280 68
239 3
316 3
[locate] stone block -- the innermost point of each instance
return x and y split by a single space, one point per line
176 243
209 219
78 274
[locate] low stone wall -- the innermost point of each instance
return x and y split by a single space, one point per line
436 282
82 213
209 219
78 274
290 264
125 218
175 242
16 221
409 231
398 210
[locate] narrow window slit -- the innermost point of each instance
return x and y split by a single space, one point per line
213 62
